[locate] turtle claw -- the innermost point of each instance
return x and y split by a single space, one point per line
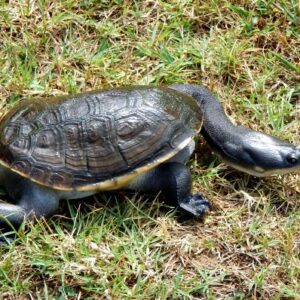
196 205
5 240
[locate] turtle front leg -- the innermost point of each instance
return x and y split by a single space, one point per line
174 180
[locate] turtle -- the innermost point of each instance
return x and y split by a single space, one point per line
136 138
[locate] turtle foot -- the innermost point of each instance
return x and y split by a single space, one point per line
7 239
196 205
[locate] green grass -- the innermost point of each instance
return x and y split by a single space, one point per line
124 247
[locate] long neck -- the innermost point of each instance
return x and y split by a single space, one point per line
217 129
247 150
240 147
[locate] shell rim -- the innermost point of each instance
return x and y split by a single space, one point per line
114 183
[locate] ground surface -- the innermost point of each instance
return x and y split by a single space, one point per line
124 247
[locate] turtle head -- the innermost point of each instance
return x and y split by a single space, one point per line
263 155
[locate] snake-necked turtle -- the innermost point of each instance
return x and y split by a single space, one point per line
137 138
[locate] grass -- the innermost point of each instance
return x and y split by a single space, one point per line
122 247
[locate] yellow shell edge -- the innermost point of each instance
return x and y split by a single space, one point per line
111 184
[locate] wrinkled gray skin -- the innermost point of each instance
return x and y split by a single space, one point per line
249 151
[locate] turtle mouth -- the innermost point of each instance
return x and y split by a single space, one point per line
277 159
262 155
259 171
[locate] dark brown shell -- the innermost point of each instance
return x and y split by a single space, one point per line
92 140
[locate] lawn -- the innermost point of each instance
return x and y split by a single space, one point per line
123 246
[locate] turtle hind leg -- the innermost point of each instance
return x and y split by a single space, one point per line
11 218
174 180
32 201
38 201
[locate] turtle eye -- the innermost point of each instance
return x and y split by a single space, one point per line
292 159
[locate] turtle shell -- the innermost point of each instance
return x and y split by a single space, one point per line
98 140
